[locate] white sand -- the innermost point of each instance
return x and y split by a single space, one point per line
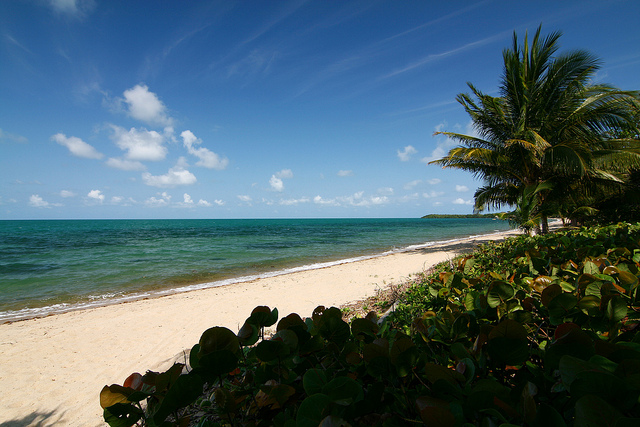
53 368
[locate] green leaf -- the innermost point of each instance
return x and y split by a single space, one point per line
499 292
183 392
508 343
548 416
343 391
616 308
218 338
364 329
217 363
271 350
335 330
122 415
314 381
313 410
592 411
561 307
590 267
263 316
248 335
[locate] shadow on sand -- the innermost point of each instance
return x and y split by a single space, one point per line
37 419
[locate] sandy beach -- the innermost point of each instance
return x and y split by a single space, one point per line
53 368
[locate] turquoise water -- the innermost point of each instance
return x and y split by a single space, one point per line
55 266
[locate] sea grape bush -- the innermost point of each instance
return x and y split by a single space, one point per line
536 331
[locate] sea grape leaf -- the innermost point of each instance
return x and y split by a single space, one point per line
217 363
499 292
218 338
122 415
590 267
343 391
271 350
616 308
435 372
248 335
590 305
110 395
364 329
314 381
290 321
508 343
312 410
184 391
549 293
335 329
546 416
435 412
593 411
262 316
561 306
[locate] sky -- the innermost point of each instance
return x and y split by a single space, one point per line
261 109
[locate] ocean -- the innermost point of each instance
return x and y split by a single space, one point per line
52 266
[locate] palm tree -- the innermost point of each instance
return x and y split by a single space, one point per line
549 125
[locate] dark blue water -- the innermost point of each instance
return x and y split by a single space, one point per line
52 266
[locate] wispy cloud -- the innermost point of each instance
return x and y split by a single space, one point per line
77 147
451 52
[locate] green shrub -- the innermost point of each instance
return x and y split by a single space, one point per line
532 331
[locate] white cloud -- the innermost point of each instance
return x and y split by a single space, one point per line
405 155
385 191
8 137
433 194
202 202
412 184
176 176
409 197
155 202
276 179
116 200
208 159
76 8
462 188
140 144
345 173
77 147
434 181
219 202
285 173
38 202
444 143
320 201
460 201
245 199
145 106
187 199
276 183
67 193
291 202
125 165
96 195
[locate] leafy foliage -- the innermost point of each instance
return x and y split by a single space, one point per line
532 331
551 126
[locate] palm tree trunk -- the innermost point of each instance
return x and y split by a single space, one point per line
544 226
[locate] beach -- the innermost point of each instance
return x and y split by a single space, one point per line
54 367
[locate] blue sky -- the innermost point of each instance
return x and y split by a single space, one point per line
260 109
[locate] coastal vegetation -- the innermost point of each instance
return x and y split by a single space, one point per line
553 143
530 331
475 215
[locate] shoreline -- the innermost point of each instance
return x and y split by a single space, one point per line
54 367
12 316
